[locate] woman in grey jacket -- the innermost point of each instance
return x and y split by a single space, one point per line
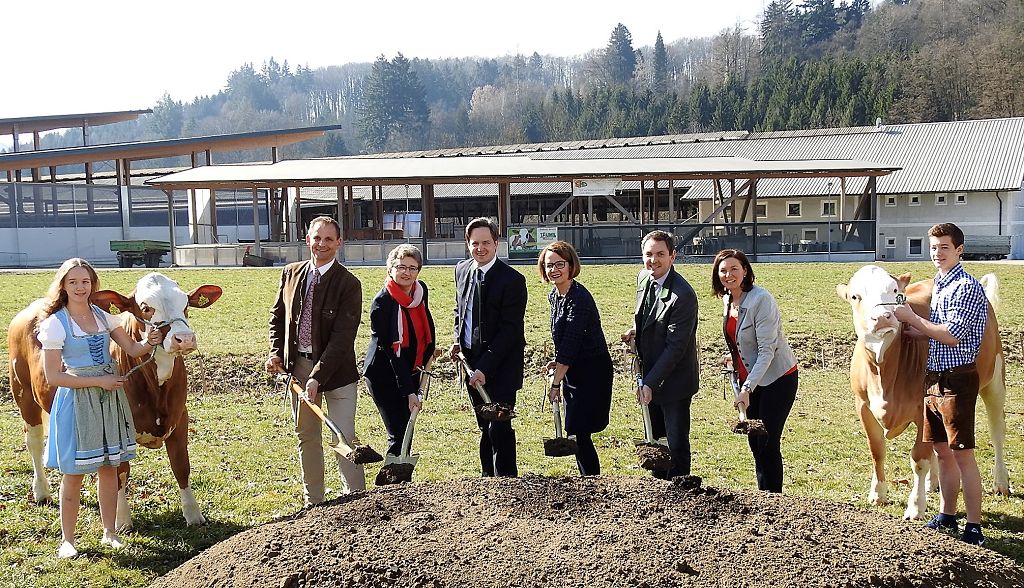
764 364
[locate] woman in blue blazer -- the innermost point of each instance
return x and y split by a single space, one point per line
764 364
582 365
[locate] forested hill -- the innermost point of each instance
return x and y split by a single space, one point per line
809 64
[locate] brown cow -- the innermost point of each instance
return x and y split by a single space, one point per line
887 378
156 390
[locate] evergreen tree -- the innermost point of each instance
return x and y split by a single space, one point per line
394 111
780 33
619 58
818 20
660 82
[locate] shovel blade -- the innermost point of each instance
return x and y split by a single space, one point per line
396 472
560 447
654 456
364 454
496 411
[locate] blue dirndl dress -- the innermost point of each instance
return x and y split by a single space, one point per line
89 427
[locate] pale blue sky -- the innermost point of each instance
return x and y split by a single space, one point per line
71 56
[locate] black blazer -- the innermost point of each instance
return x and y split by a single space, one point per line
337 306
502 323
667 339
381 365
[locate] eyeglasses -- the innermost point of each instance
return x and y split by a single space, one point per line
556 265
412 269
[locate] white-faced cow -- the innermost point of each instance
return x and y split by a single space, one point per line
156 390
887 377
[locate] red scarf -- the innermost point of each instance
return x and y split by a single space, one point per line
420 324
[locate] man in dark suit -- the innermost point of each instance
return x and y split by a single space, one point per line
313 326
489 329
665 333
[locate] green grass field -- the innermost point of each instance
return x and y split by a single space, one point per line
244 470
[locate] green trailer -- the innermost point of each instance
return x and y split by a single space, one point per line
140 252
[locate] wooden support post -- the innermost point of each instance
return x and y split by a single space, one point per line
429 216
503 208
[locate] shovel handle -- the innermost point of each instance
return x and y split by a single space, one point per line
407 439
342 440
556 410
736 394
648 427
469 372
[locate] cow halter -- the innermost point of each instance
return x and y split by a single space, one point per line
901 299
152 354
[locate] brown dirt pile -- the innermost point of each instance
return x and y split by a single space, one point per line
570 532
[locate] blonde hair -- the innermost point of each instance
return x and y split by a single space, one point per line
56 296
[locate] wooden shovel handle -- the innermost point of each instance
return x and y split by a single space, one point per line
342 440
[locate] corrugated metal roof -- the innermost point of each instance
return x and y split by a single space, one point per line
477 169
960 156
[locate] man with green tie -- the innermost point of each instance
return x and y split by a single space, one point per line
665 334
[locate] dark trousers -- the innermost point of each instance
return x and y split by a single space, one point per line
497 438
671 419
394 411
771 404
586 456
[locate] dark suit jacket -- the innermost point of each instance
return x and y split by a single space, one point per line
502 328
667 339
387 370
337 306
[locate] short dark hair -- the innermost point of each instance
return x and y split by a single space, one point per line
716 283
326 220
659 235
482 222
562 249
948 230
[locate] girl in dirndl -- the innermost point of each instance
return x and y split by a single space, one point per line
91 425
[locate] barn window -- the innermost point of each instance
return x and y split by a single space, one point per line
961 199
890 243
890 201
793 209
915 200
810 234
761 209
915 247
828 208
940 200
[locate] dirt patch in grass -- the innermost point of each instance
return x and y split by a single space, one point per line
537 531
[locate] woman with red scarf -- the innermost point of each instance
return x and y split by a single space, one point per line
401 340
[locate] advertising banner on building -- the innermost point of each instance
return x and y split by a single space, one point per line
595 187
530 240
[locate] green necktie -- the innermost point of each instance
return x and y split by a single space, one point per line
650 297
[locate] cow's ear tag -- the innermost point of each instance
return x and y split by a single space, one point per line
901 298
113 309
202 302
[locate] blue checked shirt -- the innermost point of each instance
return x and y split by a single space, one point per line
959 302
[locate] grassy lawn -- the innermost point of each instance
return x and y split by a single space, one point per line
245 473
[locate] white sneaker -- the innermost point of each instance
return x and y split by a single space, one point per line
67 550
112 540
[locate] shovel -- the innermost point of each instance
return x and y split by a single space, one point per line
744 426
353 451
559 446
653 455
398 469
489 410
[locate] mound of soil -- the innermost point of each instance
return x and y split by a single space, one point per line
569 532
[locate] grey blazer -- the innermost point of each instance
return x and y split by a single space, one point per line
763 348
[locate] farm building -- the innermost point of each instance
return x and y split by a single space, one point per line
858 194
